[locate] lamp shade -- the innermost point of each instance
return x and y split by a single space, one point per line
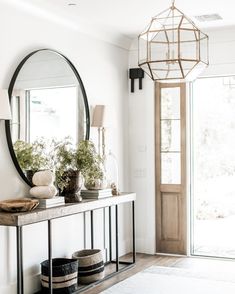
5 112
98 116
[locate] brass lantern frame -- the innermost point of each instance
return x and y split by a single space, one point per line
185 47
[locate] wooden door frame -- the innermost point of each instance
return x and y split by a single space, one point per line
180 246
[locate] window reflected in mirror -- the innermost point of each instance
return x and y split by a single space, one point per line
47 115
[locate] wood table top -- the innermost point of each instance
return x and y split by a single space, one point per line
39 214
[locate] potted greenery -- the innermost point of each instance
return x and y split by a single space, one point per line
71 163
67 173
90 164
31 156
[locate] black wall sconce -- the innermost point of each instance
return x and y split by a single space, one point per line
136 73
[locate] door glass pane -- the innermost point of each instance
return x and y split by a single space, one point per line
170 168
170 135
170 103
213 169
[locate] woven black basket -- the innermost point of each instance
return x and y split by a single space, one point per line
64 275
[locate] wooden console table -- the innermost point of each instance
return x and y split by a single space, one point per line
19 220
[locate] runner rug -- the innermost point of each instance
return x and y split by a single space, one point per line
167 280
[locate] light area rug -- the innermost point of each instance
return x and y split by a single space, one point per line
167 280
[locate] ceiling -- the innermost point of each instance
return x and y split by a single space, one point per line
126 18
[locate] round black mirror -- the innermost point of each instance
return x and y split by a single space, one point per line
48 103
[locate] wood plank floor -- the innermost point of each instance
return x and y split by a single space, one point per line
144 261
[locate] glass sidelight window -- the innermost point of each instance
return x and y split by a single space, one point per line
170 136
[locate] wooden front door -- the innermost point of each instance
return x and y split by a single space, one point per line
171 217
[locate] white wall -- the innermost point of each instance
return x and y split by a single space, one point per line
103 68
141 132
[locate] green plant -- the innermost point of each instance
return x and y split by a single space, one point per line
31 156
89 162
83 158
63 156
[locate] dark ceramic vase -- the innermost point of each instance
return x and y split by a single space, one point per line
72 191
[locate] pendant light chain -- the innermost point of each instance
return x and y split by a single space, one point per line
173 32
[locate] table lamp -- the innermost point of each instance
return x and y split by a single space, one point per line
98 122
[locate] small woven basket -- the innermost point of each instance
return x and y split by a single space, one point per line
90 265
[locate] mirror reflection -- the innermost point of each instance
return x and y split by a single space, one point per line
49 106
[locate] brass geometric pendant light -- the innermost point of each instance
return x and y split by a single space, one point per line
172 48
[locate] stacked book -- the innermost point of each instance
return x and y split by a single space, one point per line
96 194
52 202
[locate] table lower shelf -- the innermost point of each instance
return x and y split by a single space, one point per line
19 220
110 271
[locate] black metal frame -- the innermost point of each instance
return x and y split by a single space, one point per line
19 250
50 256
117 261
10 90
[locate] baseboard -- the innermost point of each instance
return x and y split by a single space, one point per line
146 246
170 254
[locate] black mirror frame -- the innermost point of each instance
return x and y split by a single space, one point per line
10 90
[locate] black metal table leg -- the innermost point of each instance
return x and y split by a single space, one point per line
110 233
50 257
133 231
92 230
20 279
104 232
84 229
117 249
